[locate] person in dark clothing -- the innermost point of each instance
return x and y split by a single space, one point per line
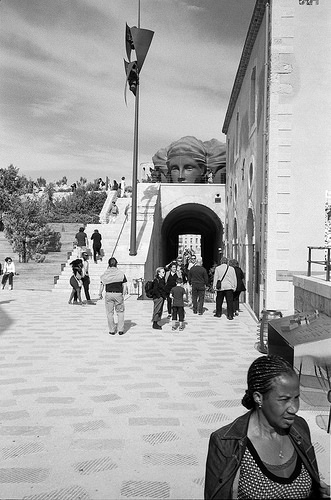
96 238
82 241
159 295
198 279
240 285
86 278
76 282
177 293
171 281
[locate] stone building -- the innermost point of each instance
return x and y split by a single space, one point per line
278 126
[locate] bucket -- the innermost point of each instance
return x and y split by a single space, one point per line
267 315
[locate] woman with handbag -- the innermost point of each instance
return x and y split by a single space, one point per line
8 273
240 285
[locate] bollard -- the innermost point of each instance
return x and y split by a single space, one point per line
267 315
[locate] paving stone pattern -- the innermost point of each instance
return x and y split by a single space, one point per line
88 416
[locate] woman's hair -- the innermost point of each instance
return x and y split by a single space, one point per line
7 259
234 263
261 375
157 270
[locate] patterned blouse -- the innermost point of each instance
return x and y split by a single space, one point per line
257 481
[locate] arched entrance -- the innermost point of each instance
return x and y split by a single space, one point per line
192 218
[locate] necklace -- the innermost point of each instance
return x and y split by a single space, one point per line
280 454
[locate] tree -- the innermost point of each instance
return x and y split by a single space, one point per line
41 182
26 228
10 183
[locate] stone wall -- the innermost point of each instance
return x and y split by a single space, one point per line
312 293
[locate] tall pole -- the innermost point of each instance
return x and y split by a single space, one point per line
133 235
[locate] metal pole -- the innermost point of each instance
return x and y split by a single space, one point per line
133 235
133 242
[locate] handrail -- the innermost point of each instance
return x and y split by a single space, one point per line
326 262
119 235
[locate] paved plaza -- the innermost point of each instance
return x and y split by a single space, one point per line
86 415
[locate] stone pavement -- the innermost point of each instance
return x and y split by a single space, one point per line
86 415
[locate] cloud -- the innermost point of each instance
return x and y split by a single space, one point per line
62 81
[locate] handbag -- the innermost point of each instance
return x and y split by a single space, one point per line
219 282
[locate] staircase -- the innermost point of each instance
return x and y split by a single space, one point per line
116 242
54 273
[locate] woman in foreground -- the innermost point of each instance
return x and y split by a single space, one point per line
266 453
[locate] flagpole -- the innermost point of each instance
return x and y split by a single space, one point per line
133 235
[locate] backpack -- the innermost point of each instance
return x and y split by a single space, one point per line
149 285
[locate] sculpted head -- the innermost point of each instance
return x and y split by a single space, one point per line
189 160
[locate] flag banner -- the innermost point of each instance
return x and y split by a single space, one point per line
142 40
128 42
132 76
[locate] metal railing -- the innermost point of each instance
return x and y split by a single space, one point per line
326 262
119 235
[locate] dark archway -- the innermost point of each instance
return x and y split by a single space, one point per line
192 218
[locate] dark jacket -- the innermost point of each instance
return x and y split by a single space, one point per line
240 279
159 288
170 281
227 447
197 275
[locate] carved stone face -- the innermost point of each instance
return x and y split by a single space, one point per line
185 169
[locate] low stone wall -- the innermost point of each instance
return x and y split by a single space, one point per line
312 293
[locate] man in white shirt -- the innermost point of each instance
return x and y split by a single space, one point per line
227 276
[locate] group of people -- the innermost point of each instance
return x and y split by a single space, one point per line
82 244
189 281
80 279
265 453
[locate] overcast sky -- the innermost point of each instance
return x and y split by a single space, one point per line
62 81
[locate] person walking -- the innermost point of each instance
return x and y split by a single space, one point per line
115 283
177 294
170 280
159 294
86 278
114 211
240 285
81 241
96 245
122 188
225 282
198 280
8 273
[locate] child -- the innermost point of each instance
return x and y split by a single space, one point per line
76 282
177 294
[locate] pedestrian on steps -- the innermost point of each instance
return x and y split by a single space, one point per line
114 211
96 238
76 282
